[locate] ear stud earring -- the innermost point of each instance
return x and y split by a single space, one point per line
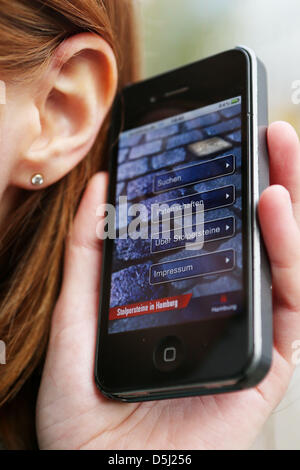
37 180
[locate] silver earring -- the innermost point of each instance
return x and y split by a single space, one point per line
37 180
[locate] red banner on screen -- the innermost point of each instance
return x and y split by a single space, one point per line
150 306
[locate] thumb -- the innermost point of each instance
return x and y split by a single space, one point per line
82 270
67 388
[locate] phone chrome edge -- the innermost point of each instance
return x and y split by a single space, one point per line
261 359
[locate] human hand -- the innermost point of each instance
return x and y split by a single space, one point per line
71 412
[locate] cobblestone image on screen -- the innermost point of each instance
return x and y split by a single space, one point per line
195 161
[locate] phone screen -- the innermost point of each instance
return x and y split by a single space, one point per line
178 252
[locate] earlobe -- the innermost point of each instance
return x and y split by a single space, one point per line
77 93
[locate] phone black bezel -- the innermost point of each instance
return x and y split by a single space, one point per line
219 77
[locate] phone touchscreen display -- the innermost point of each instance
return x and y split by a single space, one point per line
177 249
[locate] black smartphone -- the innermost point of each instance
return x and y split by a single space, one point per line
185 303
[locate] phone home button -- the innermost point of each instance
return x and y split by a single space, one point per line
168 354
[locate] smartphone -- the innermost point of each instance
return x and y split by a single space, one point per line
185 304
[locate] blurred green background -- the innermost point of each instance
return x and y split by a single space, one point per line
176 32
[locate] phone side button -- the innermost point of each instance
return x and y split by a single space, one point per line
168 354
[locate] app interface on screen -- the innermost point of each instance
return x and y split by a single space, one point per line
187 269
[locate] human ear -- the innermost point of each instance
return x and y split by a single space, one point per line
67 109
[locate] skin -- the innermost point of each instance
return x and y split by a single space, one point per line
71 413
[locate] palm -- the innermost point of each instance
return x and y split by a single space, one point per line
80 417
71 412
